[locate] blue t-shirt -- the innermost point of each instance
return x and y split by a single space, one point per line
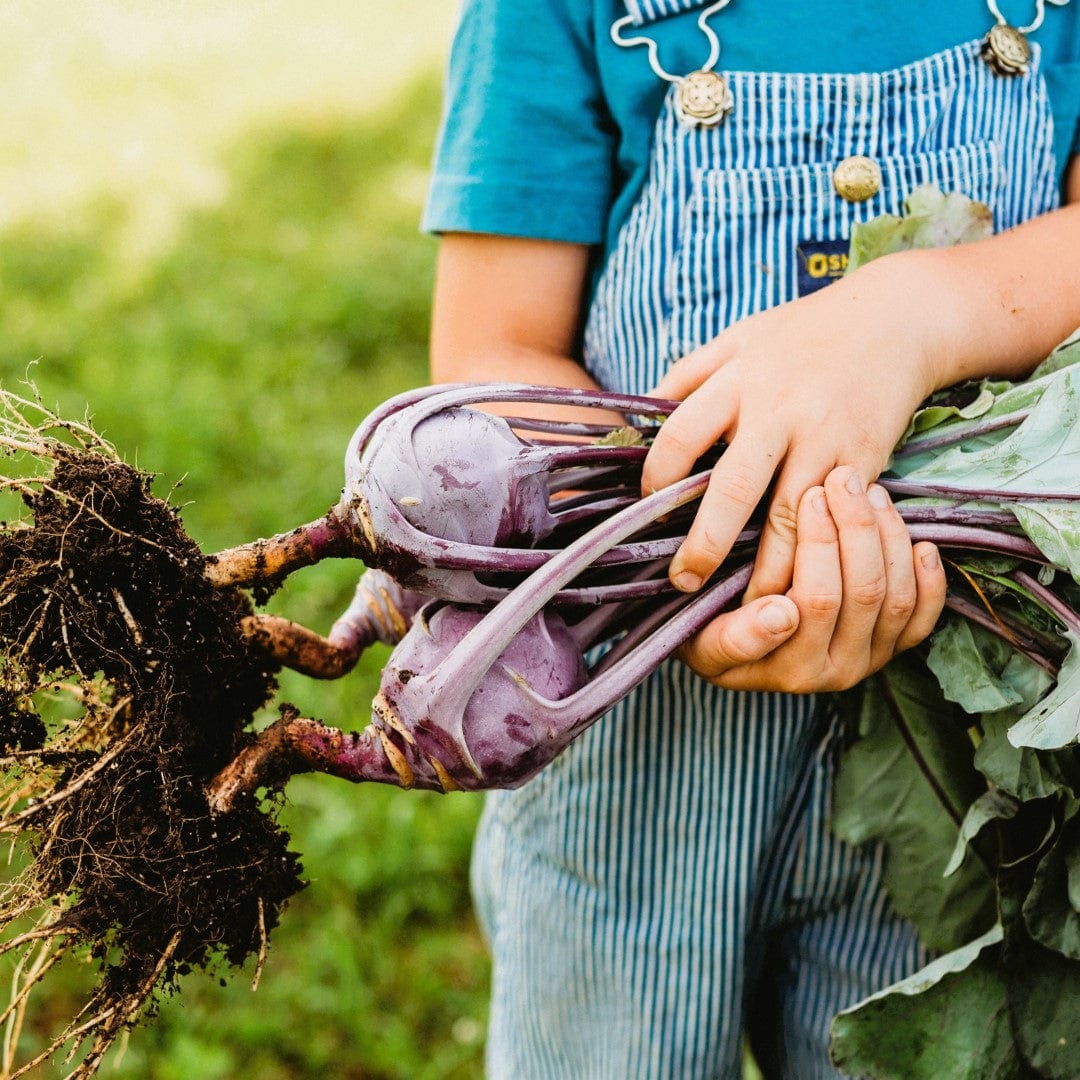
548 124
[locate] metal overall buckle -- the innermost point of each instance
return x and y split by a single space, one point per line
703 97
1006 48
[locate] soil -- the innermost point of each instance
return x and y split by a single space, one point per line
105 593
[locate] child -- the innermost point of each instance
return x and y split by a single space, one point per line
624 202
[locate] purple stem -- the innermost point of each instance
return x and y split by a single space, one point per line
597 626
955 515
619 592
583 512
639 632
573 479
443 554
362 435
1049 599
962 536
505 393
958 432
978 615
960 494
570 427
608 687
462 670
587 498
479 592
589 455
380 610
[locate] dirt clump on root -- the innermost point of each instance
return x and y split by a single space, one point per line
125 686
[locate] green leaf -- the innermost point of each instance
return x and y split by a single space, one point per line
1055 721
1054 527
952 963
624 436
1068 352
990 806
1043 993
908 782
930 219
1051 917
933 415
997 398
1023 773
966 660
1041 455
949 1020
1072 869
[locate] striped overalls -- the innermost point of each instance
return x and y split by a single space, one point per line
671 880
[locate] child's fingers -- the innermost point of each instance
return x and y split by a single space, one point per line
742 637
739 479
692 429
817 592
930 595
775 562
862 564
902 595
689 372
817 585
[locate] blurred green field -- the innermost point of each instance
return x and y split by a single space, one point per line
235 362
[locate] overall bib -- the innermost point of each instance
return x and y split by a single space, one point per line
633 890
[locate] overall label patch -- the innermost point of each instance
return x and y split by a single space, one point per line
821 262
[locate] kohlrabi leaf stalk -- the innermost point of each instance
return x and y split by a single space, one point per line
435 485
491 681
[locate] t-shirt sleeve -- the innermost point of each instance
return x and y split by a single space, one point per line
526 143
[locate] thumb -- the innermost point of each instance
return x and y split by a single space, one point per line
742 636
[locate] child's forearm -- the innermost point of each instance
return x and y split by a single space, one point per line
998 306
508 310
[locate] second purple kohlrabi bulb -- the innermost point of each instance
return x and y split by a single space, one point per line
500 738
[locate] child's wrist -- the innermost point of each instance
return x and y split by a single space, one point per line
949 310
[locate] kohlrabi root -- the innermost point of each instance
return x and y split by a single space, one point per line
125 685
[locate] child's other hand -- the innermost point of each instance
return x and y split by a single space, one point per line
830 379
860 594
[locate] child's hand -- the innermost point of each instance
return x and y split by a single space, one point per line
830 379
860 594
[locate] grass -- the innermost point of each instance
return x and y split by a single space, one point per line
235 364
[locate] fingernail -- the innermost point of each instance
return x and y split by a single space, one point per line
819 502
931 560
854 484
878 496
685 581
776 618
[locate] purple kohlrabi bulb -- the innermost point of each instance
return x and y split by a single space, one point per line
501 736
460 475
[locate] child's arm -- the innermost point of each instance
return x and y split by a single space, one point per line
508 308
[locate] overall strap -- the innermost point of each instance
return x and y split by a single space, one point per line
644 12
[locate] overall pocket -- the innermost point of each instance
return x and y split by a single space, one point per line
743 231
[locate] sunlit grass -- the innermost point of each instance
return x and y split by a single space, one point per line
139 97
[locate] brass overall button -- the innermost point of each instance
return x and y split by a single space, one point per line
704 99
857 178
